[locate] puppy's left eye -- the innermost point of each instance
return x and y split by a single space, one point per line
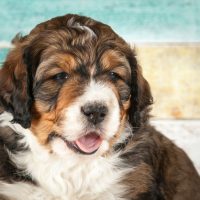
60 76
114 76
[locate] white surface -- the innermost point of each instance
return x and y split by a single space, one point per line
5 44
184 133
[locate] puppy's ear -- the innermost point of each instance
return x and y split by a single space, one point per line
141 97
16 87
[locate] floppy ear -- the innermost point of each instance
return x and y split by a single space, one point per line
16 87
141 97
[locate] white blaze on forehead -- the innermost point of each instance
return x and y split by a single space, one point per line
75 123
101 92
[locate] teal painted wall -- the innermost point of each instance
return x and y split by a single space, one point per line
135 20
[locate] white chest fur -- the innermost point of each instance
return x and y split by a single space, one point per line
70 180
73 178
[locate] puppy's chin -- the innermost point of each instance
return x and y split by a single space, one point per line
88 145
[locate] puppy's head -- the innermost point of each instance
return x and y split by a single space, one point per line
76 84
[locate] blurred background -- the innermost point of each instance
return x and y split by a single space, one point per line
166 36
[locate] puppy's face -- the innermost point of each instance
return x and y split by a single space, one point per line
81 101
81 79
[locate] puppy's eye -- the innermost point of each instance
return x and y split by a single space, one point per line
60 76
114 76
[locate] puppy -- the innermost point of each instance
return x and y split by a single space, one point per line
74 121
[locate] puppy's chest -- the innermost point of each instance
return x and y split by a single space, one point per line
80 180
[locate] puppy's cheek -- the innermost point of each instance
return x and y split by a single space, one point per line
121 125
124 112
72 123
103 148
112 125
59 147
116 123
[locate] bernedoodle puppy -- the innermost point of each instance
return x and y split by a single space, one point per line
74 121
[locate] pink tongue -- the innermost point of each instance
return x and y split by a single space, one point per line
89 143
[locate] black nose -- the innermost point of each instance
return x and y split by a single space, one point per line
95 112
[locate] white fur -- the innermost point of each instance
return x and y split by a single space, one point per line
63 177
75 123
22 191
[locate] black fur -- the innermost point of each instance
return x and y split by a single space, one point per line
9 141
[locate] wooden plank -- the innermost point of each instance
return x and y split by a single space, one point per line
173 71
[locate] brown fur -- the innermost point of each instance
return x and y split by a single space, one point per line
36 98
162 170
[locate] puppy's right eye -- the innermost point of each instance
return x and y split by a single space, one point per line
60 76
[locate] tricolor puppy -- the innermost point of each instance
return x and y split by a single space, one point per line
74 121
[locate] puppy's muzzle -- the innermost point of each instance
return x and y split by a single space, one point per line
94 112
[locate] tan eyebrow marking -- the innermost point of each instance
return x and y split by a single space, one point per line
111 59
55 64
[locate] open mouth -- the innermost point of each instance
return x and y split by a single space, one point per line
87 144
